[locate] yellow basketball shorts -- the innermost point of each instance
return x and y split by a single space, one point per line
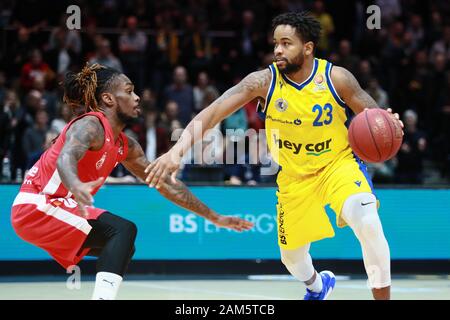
301 216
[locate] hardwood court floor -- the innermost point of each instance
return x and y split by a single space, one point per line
249 288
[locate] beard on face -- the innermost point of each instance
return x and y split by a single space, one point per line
126 119
294 66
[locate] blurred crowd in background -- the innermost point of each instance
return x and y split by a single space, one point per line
181 55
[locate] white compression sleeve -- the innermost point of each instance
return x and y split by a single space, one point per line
298 262
360 213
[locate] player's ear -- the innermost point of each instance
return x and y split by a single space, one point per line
308 48
108 99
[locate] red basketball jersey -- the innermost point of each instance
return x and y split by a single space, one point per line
44 178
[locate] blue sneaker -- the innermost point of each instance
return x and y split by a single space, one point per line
328 281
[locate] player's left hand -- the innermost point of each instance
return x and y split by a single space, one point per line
396 116
233 223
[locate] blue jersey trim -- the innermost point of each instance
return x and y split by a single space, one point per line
331 87
348 112
304 83
363 169
272 86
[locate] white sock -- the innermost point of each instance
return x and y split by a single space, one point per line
317 285
106 286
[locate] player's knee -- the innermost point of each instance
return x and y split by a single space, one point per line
370 226
287 260
360 212
294 257
129 228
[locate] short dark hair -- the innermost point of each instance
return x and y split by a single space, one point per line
306 26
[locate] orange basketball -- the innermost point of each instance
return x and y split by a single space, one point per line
375 135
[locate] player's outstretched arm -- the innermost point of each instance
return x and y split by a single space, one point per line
178 193
252 86
84 134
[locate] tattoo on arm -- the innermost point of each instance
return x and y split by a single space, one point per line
351 92
255 81
180 194
136 161
84 134
252 86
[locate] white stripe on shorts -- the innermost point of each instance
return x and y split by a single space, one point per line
63 215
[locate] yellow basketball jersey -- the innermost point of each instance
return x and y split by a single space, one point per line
306 123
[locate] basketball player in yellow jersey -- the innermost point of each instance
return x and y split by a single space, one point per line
308 105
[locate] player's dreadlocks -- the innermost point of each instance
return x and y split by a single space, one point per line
306 26
83 89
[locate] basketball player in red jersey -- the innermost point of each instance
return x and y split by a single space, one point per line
53 209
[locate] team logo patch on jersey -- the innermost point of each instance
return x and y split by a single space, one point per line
319 81
100 162
281 105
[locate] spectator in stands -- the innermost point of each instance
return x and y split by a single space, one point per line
235 127
416 85
412 152
346 57
156 138
377 93
436 89
89 40
105 57
50 137
182 93
201 90
23 118
60 56
442 139
63 118
326 21
132 47
170 120
415 27
409 57
48 96
2 87
36 67
148 99
34 138
442 46
249 42
164 53
18 52
70 38
7 109
195 45
390 10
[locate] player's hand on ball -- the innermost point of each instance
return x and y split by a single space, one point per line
233 223
396 116
165 165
